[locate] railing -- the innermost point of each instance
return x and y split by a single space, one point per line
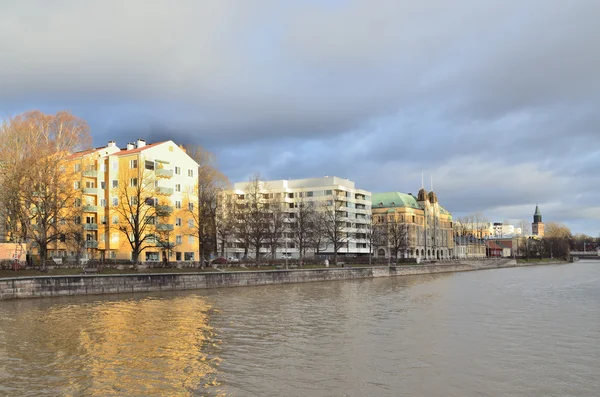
91 244
90 190
164 210
90 226
162 173
164 190
163 227
90 208
90 174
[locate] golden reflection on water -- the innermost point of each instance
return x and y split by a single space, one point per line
141 347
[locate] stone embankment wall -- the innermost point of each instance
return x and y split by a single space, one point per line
31 287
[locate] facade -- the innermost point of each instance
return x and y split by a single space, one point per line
428 225
537 227
353 206
155 183
469 247
502 229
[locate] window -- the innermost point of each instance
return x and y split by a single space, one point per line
191 206
149 165
115 183
177 170
188 256
190 223
77 202
102 203
112 254
177 187
191 173
290 195
328 192
133 164
103 219
191 240
76 185
78 220
90 184
309 194
102 185
178 239
90 219
77 167
177 221
133 200
102 167
133 182
115 219
178 204
151 220
115 201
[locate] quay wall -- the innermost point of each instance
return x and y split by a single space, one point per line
49 286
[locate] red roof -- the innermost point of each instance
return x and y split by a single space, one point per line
85 152
125 152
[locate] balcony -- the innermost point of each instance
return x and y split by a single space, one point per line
91 244
162 173
90 174
164 227
164 210
90 226
165 191
90 208
90 190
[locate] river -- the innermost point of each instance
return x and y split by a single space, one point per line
532 331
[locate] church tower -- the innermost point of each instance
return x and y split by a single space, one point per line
537 227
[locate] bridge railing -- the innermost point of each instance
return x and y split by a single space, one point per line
585 253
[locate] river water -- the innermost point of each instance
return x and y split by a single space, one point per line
528 332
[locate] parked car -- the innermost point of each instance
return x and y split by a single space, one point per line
232 259
219 261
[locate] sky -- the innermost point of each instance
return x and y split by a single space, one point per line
496 101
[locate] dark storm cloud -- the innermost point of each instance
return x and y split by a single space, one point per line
497 100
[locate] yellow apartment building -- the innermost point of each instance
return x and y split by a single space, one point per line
428 224
141 197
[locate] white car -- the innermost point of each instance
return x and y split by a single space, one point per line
233 260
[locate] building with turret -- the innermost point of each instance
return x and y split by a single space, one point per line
537 227
427 223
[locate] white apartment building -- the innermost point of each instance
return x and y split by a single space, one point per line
502 229
355 206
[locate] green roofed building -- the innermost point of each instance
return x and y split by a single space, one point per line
412 227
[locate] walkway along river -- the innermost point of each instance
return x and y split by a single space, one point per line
528 331
52 286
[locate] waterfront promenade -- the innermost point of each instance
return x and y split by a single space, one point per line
51 286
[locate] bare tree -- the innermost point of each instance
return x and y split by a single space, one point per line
317 236
375 235
276 222
303 225
225 220
334 226
211 184
37 191
253 216
397 234
136 207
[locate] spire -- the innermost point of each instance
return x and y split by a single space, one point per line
537 215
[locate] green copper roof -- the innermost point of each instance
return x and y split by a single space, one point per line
393 199
537 211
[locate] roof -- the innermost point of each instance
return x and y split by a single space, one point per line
537 210
84 152
125 152
394 199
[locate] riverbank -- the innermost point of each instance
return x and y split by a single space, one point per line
64 285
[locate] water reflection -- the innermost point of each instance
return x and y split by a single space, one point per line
133 347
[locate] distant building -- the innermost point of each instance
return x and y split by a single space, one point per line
502 229
537 227
352 203
428 224
469 247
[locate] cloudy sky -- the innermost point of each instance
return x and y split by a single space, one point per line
497 100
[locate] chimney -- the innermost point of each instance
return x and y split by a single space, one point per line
140 143
130 146
112 144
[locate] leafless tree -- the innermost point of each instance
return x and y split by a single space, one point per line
276 222
303 225
375 235
211 184
253 216
397 234
37 190
225 220
136 207
334 219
